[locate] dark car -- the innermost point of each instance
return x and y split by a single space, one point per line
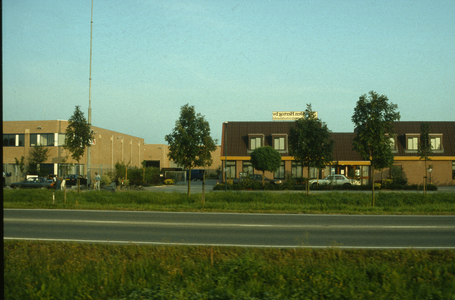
33 183
72 180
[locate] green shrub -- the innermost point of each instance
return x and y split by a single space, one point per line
432 187
105 180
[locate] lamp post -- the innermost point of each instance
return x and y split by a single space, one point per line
225 156
430 169
90 101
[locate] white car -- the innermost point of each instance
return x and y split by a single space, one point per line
334 180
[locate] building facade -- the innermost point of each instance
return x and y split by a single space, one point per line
239 139
108 148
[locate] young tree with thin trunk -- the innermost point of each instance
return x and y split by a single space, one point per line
190 143
373 119
310 142
20 164
265 159
36 156
425 148
77 137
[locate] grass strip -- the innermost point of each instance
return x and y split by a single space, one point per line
248 202
47 270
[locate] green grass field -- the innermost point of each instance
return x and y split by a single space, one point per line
263 202
42 270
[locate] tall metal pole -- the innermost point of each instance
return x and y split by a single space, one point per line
90 101
225 156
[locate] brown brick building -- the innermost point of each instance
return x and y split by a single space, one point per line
239 139
108 148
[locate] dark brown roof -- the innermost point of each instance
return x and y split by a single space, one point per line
447 129
237 136
343 147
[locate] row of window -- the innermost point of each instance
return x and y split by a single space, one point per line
296 170
257 140
42 139
247 169
280 142
13 140
412 142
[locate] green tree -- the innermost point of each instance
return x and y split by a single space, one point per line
36 156
265 159
310 142
77 137
20 164
190 143
424 149
373 118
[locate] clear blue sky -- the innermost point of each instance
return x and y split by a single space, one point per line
232 60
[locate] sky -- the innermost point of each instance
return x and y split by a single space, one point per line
231 60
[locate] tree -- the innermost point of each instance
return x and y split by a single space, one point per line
190 143
265 159
36 156
425 148
20 164
78 136
373 118
310 142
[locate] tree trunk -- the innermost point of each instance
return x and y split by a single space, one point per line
203 188
425 178
372 189
189 182
308 181
263 179
78 181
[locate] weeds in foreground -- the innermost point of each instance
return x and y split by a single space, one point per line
44 270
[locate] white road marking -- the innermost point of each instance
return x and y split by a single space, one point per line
20 220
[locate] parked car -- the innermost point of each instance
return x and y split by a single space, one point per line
33 183
258 178
196 174
72 180
334 180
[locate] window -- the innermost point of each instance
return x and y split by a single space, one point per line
314 172
33 139
435 143
296 170
393 144
412 143
247 168
44 139
279 174
230 172
9 140
47 139
255 140
13 140
20 138
278 143
61 139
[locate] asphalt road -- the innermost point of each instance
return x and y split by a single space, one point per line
219 229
